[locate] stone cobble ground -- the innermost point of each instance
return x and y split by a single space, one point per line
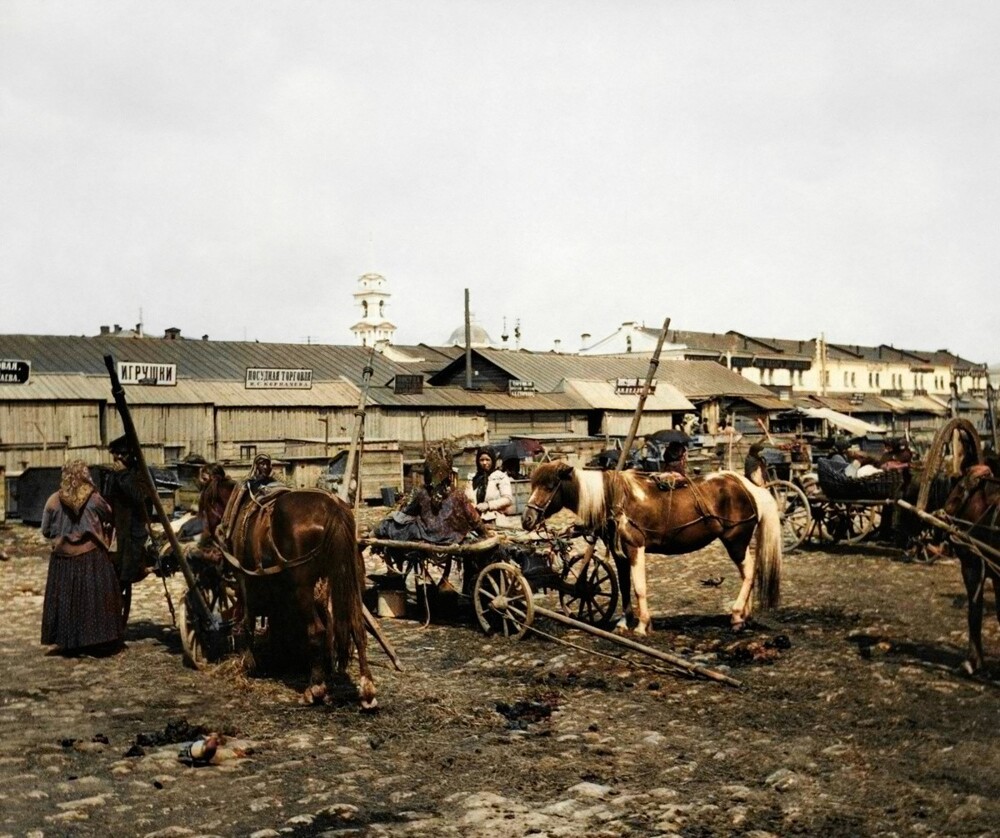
852 721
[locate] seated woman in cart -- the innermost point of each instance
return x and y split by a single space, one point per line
436 512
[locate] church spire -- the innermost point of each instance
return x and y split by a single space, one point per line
372 297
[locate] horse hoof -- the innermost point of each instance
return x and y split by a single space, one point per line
314 694
621 627
740 626
969 668
369 705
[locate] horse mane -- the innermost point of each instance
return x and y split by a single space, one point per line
592 503
215 494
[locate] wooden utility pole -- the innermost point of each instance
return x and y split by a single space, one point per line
468 343
354 453
654 362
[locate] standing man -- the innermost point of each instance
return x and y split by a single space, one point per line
127 496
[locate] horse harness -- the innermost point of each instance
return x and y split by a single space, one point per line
704 514
258 512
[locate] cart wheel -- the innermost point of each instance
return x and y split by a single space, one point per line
219 593
502 599
955 447
589 590
793 509
848 523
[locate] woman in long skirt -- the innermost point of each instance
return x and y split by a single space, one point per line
82 609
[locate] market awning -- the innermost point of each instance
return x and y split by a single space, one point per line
851 424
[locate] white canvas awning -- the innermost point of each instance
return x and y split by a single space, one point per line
850 424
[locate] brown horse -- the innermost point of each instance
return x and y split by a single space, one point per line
298 564
634 513
974 507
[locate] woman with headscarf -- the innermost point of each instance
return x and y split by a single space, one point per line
82 608
437 512
491 490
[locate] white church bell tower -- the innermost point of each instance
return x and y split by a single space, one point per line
373 298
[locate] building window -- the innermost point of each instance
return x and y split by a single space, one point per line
852 379
248 452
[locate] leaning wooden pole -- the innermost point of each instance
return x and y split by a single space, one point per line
353 454
654 362
376 631
991 412
209 627
675 660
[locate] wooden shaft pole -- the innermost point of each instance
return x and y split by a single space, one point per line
628 643
376 631
948 528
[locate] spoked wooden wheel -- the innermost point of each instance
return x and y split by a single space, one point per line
219 592
794 512
847 522
589 590
503 600
955 447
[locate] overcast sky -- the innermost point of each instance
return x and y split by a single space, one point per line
784 169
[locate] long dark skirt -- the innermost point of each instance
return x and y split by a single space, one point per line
83 602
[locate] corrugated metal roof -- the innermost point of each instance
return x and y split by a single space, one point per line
767 402
602 395
203 359
222 393
691 378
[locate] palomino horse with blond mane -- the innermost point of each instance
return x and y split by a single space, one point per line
635 513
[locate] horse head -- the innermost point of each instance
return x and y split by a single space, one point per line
972 481
546 493
214 496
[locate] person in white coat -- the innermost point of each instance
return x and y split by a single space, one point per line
491 490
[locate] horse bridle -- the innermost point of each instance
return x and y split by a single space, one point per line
541 510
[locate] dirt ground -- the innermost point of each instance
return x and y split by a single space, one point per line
852 720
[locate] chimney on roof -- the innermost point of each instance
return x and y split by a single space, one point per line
204 337
557 343
584 340
105 330
117 328
172 333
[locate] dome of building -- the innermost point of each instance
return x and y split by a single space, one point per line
478 336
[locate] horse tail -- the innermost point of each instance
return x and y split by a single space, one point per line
767 576
346 574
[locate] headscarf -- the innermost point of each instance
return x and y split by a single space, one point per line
76 485
437 476
481 477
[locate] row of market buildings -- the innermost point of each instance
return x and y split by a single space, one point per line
228 401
